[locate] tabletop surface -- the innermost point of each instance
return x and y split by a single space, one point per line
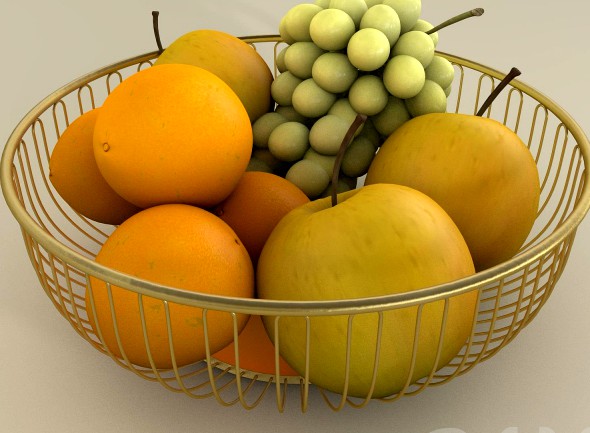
51 380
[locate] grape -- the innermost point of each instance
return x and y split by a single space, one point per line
326 161
331 29
283 86
322 3
368 49
448 90
431 99
280 60
408 11
384 18
265 156
358 157
371 3
333 72
310 100
391 117
309 176
298 19
343 109
354 8
263 126
344 58
284 33
370 132
256 164
368 95
289 113
327 133
289 141
342 185
416 44
300 58
424 26
441 71
404 76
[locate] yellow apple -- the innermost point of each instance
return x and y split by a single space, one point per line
377 240
476 168
231 59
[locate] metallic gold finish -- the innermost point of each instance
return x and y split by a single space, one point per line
61 245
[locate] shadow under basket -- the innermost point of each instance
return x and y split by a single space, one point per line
61 245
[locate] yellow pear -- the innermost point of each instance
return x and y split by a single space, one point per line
231 59
476 168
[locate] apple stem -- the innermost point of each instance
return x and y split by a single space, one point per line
477 12
358 121
514 72
155 15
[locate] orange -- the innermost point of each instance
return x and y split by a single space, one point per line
256 205
75 176
256 351
180 246
173 133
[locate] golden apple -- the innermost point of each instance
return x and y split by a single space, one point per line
378 240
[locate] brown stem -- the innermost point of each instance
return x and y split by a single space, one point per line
356 124
514 72
155 15
472 13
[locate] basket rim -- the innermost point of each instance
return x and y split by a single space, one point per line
279 307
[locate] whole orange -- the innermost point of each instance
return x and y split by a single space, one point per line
256 205
173 133
175 245
75 176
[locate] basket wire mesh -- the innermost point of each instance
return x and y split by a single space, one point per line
61 245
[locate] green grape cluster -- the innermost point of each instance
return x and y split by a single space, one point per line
343 58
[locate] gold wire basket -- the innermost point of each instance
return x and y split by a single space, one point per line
61 244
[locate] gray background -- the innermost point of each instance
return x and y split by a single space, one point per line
53 381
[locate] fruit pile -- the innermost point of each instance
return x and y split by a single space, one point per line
217 179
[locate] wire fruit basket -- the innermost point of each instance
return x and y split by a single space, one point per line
61 244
